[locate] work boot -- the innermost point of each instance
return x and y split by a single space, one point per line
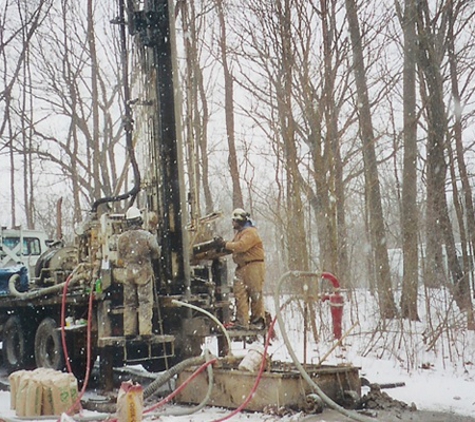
257 324
236 325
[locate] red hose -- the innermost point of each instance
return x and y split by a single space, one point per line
63 318
258 378
181 387
178 390
88 346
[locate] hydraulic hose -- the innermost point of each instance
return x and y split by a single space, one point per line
209 367
163 377
327 400
46 291
209 357
258 378
128 121
88 351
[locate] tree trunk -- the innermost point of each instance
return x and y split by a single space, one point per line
466 187
409 216
73 129
336 243
229 110
438 217
97 166
378 237
297 246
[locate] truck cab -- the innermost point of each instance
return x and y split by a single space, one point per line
21 246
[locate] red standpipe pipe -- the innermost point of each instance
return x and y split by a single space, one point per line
332 279
336 304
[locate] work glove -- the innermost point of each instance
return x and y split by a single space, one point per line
219 242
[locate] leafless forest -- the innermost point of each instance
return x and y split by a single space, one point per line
346 128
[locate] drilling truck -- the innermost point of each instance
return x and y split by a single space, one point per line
69 313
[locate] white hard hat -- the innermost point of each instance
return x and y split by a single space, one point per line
133 213
240 215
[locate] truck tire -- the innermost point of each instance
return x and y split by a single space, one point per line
17 349
48 345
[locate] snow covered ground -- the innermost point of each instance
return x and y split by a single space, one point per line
434 358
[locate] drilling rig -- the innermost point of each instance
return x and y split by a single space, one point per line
71 314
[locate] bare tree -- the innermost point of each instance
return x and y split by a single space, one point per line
229 107
334 212
197 111
85 92
466 235
438 224
409 220
377 231
19 22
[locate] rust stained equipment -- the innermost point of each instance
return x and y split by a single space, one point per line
281 385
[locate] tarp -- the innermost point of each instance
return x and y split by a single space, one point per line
6 273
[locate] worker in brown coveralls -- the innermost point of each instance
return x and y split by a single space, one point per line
137 248
248 255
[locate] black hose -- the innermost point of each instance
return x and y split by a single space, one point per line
127 120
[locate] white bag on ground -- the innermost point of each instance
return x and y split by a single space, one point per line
130 402
14 379
43 391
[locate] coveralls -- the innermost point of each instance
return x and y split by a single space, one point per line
248 255
137 248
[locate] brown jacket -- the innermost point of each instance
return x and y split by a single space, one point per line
246 246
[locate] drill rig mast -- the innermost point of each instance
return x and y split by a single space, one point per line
151 29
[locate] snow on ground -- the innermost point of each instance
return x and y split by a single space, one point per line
436 365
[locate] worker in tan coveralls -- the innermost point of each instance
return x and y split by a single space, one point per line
248 255
137 248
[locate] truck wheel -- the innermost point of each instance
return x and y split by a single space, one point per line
17 349
48 346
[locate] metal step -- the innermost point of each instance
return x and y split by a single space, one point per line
123 341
